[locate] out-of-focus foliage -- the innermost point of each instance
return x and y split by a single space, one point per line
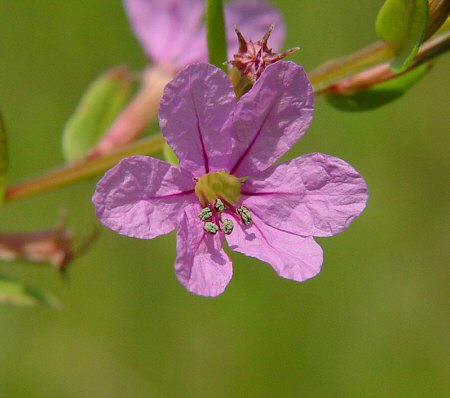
99 106
402 23
379 94
3 159
12 292
169 155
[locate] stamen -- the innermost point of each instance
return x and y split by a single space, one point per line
219 206
227 226
205 214
245 215
211 227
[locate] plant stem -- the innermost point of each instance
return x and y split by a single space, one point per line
81 170
432 48
215 34
380 73
330 72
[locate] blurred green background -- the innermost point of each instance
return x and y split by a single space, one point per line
374 323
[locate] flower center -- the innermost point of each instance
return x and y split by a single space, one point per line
218 185
219 194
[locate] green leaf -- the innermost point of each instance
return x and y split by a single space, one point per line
13 292
98 108
215 34
3 160
379 94
169 155
403 23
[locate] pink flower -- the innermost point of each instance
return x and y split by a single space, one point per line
172 32
173 35
226 186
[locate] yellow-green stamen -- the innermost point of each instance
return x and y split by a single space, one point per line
227 227
245 215
211 227
205 214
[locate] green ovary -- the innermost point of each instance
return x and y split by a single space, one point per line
218 185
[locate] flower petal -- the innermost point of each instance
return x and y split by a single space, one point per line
193 110
201 265
312 195
170 31
253 18
271 117
143 197
291 256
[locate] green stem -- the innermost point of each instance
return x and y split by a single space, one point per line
330 72
81 170
215 34
432 48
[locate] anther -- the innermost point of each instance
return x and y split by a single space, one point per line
227 227
205 214
219 206
211 227
245 215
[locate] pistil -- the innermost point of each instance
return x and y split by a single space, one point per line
219 184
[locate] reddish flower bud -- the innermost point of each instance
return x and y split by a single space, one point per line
253 57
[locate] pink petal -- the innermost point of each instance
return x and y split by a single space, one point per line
193 110
201 265
271 117
253 18
312 195
291 256
170 31
143 197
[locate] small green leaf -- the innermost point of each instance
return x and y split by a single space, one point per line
12 292
98 108
215 34
3 160
379 94
403 23
169 154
